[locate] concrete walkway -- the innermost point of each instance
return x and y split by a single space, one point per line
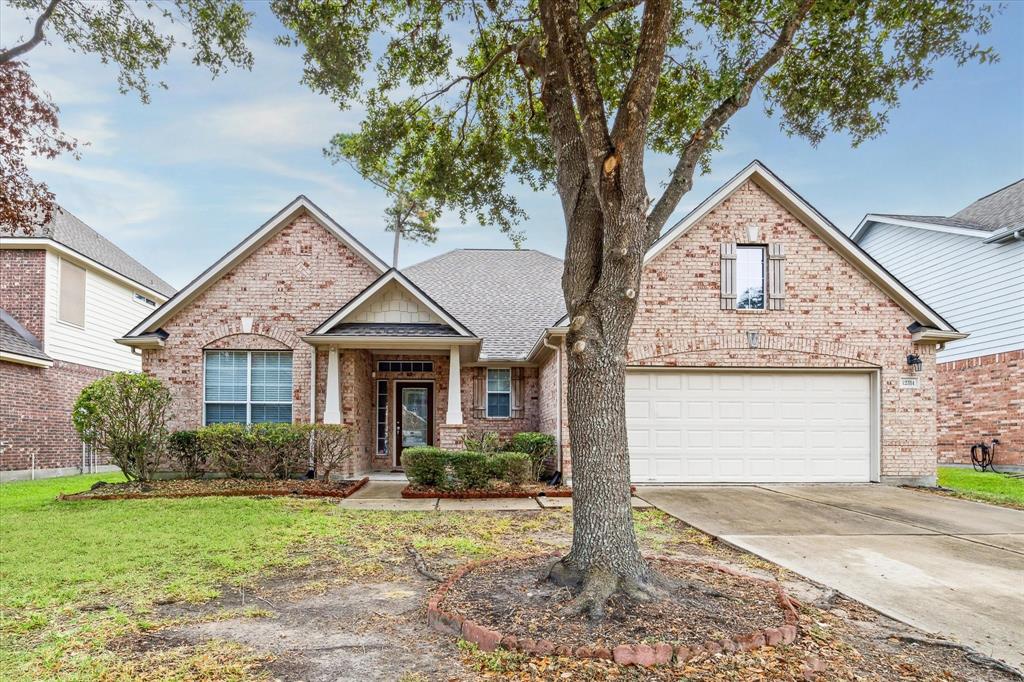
378 494
944 565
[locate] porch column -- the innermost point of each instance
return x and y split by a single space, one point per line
454 415
332 402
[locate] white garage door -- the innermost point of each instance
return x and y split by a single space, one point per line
729 426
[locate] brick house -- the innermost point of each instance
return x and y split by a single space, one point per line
65 293
767 346
970 267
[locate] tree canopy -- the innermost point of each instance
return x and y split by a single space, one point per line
453 88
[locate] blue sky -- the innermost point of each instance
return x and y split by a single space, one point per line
179 181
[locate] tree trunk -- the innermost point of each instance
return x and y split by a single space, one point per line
605 555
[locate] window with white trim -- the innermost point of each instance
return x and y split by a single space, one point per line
247 387
750 277
499 392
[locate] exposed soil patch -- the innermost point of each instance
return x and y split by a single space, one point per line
217 487
498 490
705 603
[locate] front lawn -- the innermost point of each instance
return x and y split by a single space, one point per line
983 486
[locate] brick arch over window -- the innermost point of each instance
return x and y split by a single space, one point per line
735 349
262 336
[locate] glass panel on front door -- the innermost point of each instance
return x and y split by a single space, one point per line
415 417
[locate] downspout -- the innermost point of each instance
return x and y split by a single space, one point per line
558 403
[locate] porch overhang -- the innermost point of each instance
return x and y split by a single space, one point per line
412 343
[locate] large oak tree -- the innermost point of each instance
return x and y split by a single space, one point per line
462 95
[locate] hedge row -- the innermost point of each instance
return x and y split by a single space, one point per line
431 467
271 450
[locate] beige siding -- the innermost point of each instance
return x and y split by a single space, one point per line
110 311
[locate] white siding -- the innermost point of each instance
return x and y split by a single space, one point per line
109 313
978 287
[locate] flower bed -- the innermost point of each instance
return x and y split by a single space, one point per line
217 487
505 602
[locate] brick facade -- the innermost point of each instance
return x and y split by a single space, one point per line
35 415
23 287
832 316
981 399
287 287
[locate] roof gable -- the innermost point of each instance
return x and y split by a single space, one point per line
391 302
819 225
299 206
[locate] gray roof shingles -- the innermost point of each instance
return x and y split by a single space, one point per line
1003 209
15 339
385 329
507 297
68 230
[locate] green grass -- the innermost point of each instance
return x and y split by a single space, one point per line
984 487
78 577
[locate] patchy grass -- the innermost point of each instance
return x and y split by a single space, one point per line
983 486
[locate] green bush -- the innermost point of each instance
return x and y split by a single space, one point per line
469 470
514 468
332 447
539 446
482 441
268 450
125 415
426 466
188 453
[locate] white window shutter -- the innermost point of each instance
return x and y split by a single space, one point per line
728 269
776 276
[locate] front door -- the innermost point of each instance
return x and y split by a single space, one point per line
414 410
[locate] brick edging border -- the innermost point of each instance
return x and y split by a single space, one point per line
660 653
269 492
410 493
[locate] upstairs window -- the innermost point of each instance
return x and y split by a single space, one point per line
750 277
247 387
71 303
143 299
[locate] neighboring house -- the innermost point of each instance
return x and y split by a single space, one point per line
766 347
970 268
66 292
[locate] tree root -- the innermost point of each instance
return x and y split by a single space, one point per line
597 586
421 565
970 654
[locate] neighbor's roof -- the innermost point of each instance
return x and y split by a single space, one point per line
508 297
68 230
997 211
17 340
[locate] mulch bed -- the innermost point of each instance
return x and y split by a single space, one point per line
508 603
499 490
217 487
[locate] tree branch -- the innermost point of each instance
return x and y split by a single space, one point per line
607 11
681 180
37 36
634 110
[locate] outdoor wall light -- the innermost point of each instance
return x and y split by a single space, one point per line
914 361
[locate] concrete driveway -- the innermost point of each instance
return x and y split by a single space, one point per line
944 565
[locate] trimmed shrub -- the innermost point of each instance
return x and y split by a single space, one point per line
539 446
268 450
514 468
332 448
426 466
469 469
125 415
187 452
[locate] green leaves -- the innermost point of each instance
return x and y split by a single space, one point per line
455 102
